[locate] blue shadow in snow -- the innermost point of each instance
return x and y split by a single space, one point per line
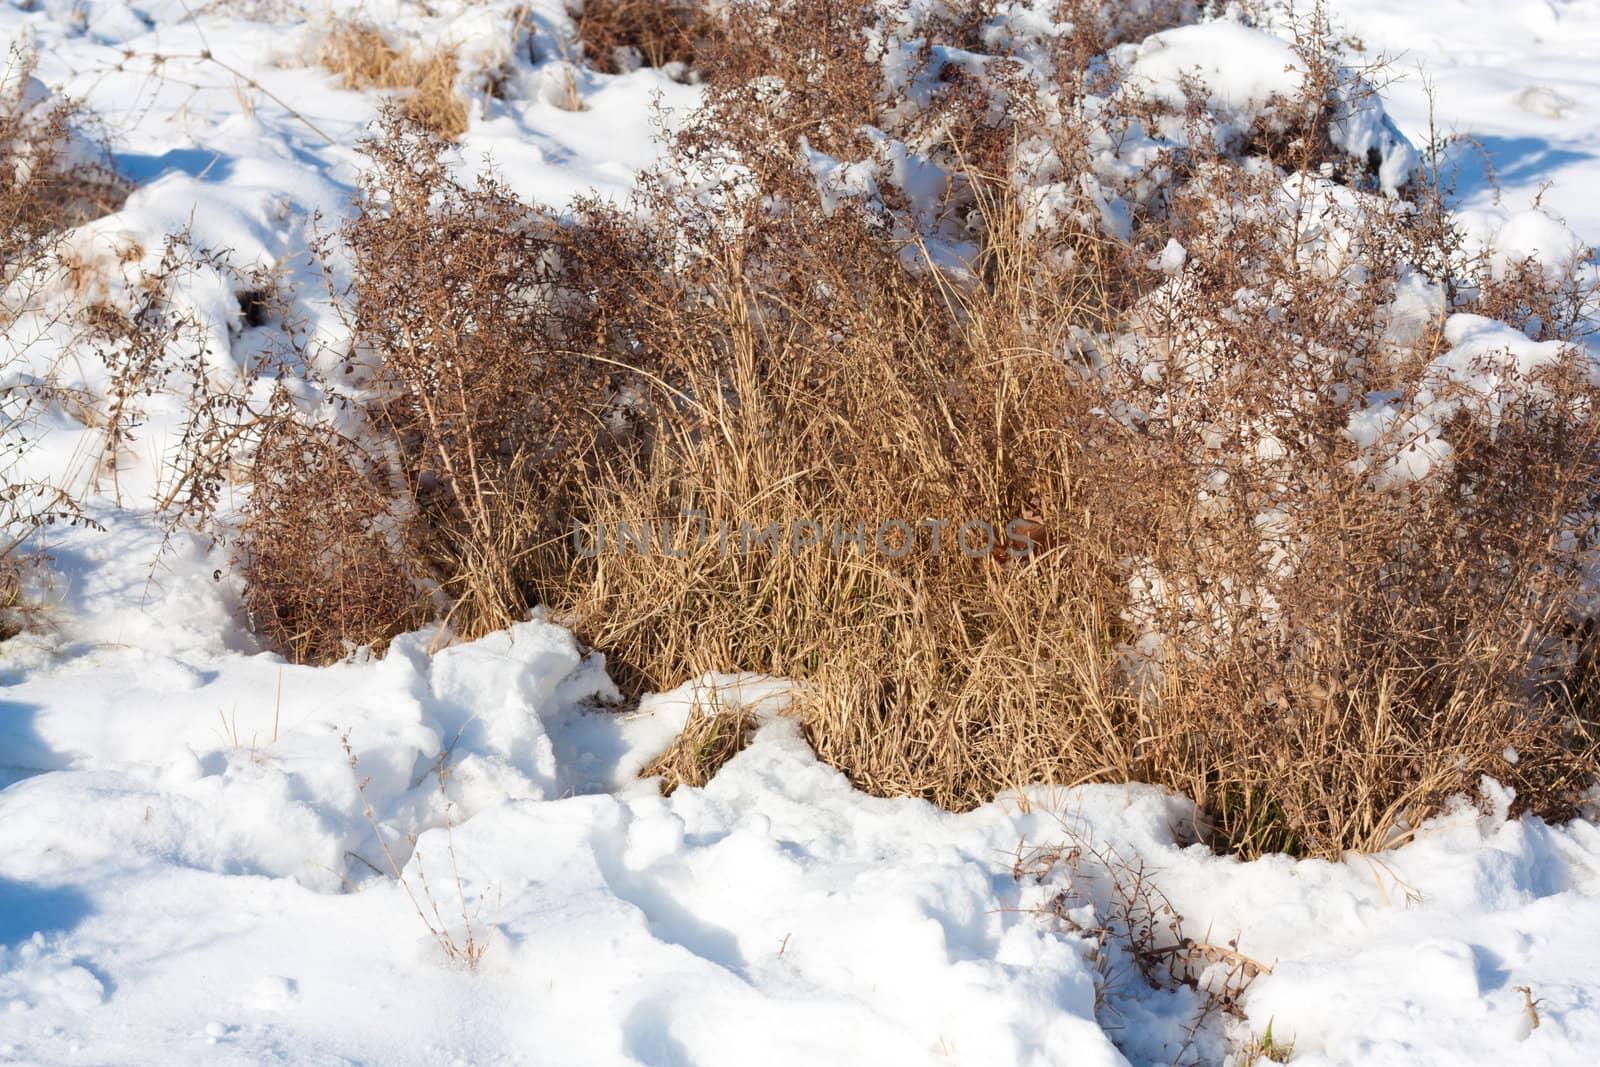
23 753
1516 161
27 909
191 161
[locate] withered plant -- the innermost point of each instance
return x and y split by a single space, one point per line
709 739
53 176
1232 597
424 81
460 315
1289 556
620 35
326 556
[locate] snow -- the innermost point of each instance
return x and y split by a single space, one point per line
187 870
1515 76
1253 75
1245 69
180 886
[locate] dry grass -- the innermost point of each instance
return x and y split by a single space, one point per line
1135 937
464 943
48 187
943 676
708 740
326 565
460 318
796 371
425 81
1230 596
10 598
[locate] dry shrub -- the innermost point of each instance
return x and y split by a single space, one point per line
460 312
426 81
1338 629
799 372
473 417
1134 937
324 539
52 177
1233 592
1233 599
1334 646
326 564
620 35
10 598
708 740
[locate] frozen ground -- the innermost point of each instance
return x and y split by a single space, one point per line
187 873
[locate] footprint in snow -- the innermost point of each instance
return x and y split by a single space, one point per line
1544 101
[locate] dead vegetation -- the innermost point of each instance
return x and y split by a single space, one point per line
53 177
463 326
1289 562
435 487
799 372
1132 933
621 35
463 943
709 739
326 565
423 80
10 600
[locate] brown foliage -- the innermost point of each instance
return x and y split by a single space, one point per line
1334 654
459 315
52 178
1233 595
47 188
326 563
618 35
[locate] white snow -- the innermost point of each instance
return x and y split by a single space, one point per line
187 872
1517 77
1245 69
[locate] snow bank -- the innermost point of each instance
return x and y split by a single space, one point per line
167 895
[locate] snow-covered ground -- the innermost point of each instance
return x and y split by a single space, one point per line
1517 77
188 872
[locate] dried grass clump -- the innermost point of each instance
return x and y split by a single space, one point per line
797 371
482 412
50 178
426 80
621 35
1332 647
10 598
1243 585
459 315
708 740
1232 599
